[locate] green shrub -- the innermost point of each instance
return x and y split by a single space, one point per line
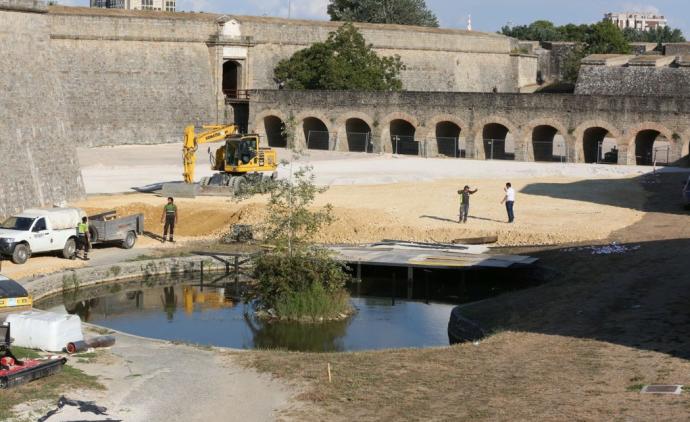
315 304
301 286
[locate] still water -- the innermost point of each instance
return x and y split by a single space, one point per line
210 316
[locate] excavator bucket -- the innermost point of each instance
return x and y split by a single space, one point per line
180 190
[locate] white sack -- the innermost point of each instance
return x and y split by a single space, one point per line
60 218
44 330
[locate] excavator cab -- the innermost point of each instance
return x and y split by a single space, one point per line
240 151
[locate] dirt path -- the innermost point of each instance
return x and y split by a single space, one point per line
151 380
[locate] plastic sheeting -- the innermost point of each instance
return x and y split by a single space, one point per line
60 218
44 330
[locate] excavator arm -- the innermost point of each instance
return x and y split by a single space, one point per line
192 140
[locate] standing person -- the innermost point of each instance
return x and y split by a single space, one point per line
509 200
465 203
83 241
169 216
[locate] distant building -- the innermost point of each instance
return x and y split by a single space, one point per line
639 21
164 5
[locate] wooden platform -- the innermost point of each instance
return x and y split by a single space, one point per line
428 255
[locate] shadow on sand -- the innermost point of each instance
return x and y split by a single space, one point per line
638 298
624 193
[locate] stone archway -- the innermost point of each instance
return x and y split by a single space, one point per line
410 135
315 133
232 78
444 136
355 133
318 128
546 140
496 137
597 141
640 143
275 131
265 124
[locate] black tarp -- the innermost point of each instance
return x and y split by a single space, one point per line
10 288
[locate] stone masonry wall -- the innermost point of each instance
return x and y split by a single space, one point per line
133 80
38 164
633 80
436 59
571 115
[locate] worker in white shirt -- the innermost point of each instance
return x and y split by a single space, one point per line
509 200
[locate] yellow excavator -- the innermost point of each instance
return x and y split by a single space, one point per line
241 161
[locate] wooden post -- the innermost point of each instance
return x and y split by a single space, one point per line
393 290
426 285
410 282
237 269
359 279
201 276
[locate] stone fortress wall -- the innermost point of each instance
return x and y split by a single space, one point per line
38 164
140 77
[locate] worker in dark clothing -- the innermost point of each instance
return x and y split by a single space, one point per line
465 203
170 218
83 240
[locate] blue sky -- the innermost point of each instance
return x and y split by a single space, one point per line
487 15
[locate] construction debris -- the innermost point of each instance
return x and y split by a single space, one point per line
238 233
613 248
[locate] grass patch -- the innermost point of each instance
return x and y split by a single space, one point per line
48 388
313 304
636 388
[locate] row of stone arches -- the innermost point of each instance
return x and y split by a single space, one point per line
494 138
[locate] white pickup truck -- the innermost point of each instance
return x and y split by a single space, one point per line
40 230
55 229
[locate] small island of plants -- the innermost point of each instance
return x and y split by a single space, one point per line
297 279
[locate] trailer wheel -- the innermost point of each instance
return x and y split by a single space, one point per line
21 253
93 235
129 240
70 248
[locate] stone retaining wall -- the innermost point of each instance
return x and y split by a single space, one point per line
176 268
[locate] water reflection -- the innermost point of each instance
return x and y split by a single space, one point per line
210 315
323 337
169 300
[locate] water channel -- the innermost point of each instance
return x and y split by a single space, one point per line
390 314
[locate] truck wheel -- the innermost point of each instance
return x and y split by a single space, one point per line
21 253
69 249
129 240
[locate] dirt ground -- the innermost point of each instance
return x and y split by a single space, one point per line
578 347
552 211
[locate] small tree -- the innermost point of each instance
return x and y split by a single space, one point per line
297 279
402 12
343 62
